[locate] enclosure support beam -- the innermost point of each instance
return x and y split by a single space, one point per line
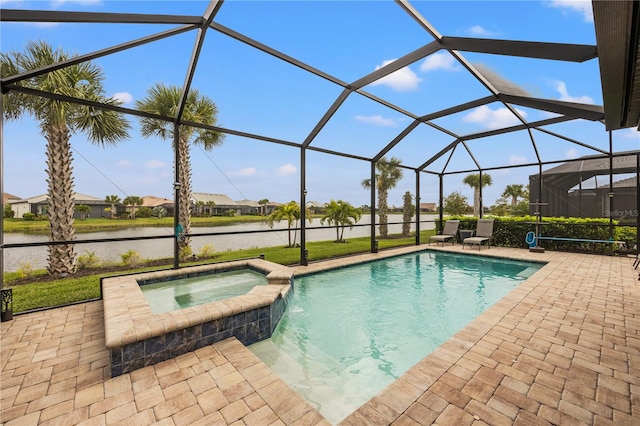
2 169
303 207
611 193
417 208
176 197
479 194
440 201
374 244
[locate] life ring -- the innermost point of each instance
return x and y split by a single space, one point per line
530 239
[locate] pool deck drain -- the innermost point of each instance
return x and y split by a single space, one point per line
562 348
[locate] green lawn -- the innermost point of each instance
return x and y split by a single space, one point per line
69 290
104 224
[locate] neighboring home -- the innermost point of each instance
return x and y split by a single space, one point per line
428 207
203 204
7 198
151 202
568 189
315 207
38 205
249 207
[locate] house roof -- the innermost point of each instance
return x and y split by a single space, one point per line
6 197
249 203
152 201
77 198
218 199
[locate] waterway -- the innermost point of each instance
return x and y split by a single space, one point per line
36 257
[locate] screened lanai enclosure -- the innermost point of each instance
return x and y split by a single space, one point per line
311 97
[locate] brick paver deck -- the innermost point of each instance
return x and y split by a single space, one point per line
562 348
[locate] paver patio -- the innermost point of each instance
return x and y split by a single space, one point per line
562 348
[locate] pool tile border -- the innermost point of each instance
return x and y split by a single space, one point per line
136 337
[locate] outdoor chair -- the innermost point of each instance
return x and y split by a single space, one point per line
448 233
484 233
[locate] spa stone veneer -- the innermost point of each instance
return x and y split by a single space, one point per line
136 337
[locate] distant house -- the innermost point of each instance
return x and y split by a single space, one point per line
152 202
248 207
428 207
38 205
315 207
7 198
221 204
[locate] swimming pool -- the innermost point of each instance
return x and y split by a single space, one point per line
170 295
348 333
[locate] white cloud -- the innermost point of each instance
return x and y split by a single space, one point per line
630 133
571 153
287 170
123 163
376 120
247 171
516 159
493 119
439 61
124 97
155 164
403 80
561 87
479 31
581 6
58 3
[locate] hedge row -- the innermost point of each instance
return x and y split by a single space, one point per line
512 231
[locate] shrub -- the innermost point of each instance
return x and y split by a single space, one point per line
159 212
7 212
144 212
29 216
206 251
25 269
88 260
185 253
131 258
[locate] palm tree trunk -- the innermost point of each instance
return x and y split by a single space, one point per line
382 212
60 200
184 172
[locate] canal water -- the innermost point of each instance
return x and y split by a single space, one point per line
36 257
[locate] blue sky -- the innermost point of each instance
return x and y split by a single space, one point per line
260 94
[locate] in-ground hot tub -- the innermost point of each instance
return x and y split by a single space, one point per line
137 337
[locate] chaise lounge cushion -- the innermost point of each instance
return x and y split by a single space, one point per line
484 233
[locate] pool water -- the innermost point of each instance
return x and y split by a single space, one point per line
350 332
181 293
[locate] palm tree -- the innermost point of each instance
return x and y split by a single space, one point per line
342 214
164 100
473 180
132 201
388 176
211 204
112 200
515 192
263 203
291 213
58 120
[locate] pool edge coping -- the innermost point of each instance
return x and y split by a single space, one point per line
128 318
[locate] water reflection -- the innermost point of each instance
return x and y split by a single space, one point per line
163 248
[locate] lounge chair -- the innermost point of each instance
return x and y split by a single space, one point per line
484 233
448 233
